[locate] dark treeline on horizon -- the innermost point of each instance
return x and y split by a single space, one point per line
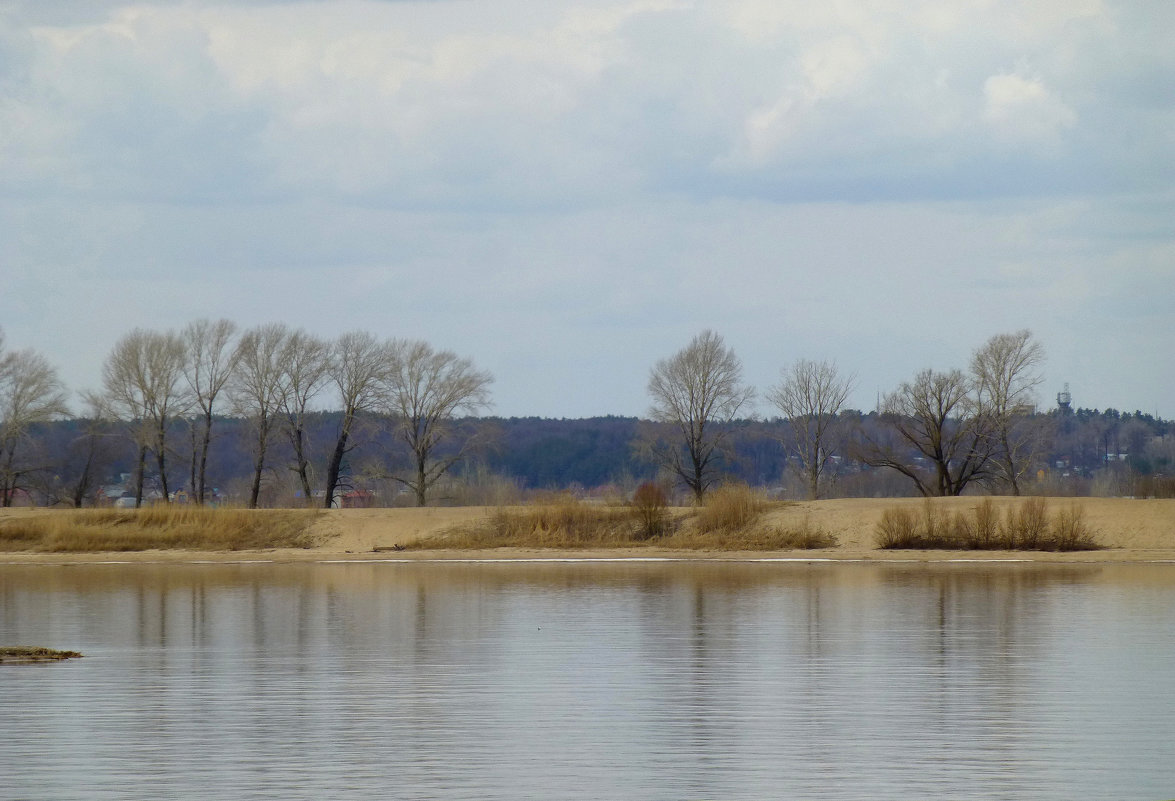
79 462
211 413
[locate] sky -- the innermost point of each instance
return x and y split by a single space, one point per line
567 192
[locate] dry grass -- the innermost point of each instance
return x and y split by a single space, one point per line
804 536
159 527
560 522
650 506
1026 527
19 654
728 522
730 508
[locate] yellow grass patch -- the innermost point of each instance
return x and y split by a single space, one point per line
1026 526
159 527
21 654
730 521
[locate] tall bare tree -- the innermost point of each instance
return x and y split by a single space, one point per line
92 448
143 382
426 389
1006 371
210 361
810 395
304 373
358 368
936 420
697 391
257 389
30 393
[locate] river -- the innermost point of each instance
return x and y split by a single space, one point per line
590 680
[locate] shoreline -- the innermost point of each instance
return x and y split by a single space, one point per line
1132 531
588 556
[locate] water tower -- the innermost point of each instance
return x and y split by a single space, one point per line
1064 399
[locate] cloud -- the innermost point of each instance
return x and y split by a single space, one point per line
570 190
462 104
1021 109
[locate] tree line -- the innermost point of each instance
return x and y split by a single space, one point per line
209 404
269 376
944 431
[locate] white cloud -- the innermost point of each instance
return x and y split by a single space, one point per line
1021 109
543 185
445 103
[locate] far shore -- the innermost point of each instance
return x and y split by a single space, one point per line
1130 531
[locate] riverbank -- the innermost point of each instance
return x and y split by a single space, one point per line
1129 531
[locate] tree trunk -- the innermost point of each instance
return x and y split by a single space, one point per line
1011 463
332 469
256 490
140 468
192 461
336 458
160 461
258 468
297 439
5 490
83 486
421 478
698 483
201 493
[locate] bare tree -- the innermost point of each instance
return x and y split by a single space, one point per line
697 391
304 373
30 393
257 389
810 395
1006 371
208 368
358 368
937 422
94 446
142 380
426 388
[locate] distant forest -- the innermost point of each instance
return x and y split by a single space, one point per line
409 429
84 462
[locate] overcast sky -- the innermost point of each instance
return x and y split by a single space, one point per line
566 192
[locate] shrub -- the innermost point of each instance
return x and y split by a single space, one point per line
160 527
731 507
1070 533
650 507
986 532
1026 527
897 529
805 537
559 521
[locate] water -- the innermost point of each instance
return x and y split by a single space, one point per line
590 681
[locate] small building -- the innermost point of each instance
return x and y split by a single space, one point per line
357 499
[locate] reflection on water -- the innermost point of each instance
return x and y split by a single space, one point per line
617 680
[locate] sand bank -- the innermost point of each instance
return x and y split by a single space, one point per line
1132 531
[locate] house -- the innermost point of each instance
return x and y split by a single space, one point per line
357 499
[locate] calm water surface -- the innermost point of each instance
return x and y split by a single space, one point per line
590 681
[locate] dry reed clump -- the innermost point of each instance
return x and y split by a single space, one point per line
1025 527
805 536
159 527
731 507
557 522
562 522
650 507
20 654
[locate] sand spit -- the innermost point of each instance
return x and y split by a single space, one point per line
1131 531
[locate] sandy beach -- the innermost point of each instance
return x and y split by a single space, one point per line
1131 531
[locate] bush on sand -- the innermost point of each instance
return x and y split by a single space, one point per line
1026 527
159 527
